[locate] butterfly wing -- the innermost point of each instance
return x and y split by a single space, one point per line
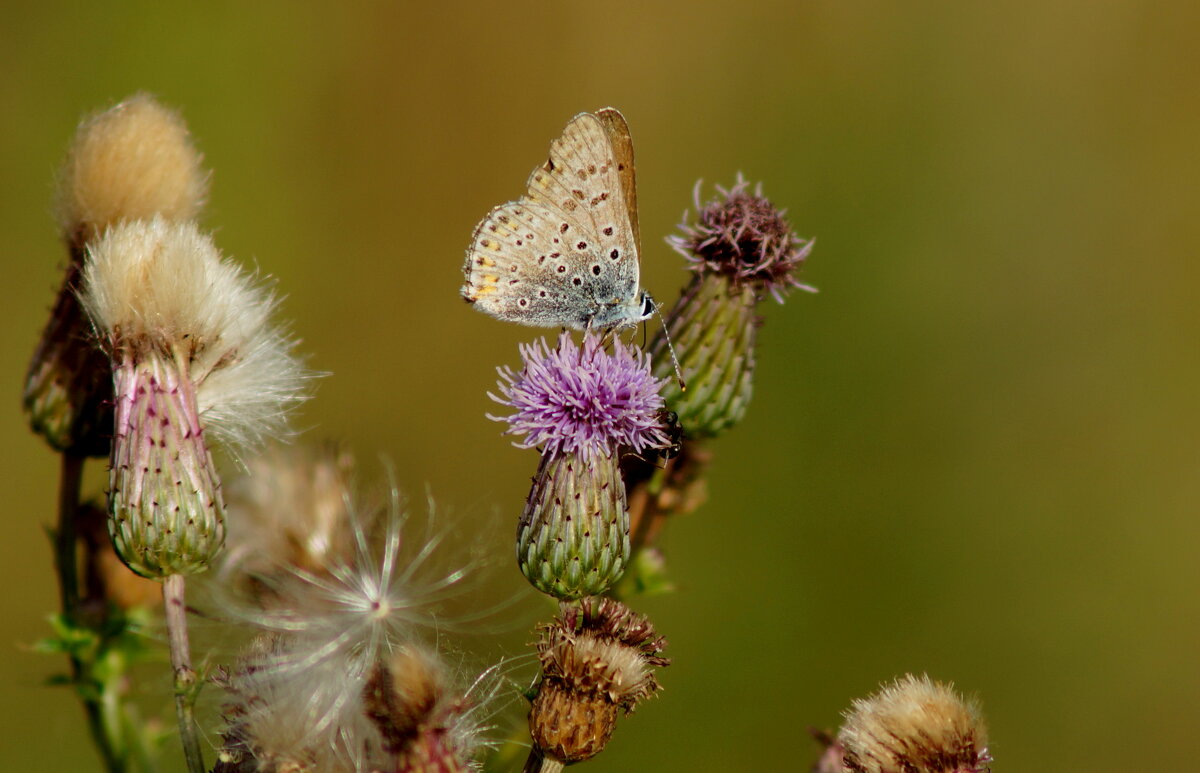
520 269
566 253
622 144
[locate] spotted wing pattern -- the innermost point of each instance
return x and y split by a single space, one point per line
566 253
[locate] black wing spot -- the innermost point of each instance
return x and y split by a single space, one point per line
541 258
563 228
542 293
614 254
519 242
608 231
582 245
577 281
522 302
596 269
562 269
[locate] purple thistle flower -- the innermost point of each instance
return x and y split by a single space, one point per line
742 235
583 403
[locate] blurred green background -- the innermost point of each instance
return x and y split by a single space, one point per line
973 453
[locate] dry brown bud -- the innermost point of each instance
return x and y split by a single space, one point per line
915 725
597 658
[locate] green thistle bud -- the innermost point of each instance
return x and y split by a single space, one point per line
166 511
714 327
573 537
741 249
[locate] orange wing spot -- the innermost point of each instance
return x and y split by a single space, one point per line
482 291
485 262
490 278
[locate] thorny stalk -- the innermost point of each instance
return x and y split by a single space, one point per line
181 663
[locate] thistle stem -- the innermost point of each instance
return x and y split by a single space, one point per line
70 479
536 763
104 735
185 677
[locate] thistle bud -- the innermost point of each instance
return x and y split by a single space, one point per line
597 659
185 333
132 161
573 538
741 249
584 406
166 513
914 725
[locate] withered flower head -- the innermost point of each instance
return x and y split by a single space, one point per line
133 161
915 725
743 236
597 657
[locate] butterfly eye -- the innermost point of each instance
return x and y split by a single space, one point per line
648 307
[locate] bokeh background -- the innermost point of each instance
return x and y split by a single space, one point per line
973 454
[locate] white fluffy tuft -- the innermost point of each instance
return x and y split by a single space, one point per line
376 598
155 286
132 161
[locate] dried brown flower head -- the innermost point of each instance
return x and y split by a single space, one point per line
915 725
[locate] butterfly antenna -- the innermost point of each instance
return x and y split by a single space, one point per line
671 349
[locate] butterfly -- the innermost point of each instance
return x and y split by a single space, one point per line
566 253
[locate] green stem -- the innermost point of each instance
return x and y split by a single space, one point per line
185 677
105 735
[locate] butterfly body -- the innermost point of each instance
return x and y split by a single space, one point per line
566 253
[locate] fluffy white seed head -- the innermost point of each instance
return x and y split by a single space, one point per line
130 162
330 717
153 286
915 725
292 509
297 720
371 603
